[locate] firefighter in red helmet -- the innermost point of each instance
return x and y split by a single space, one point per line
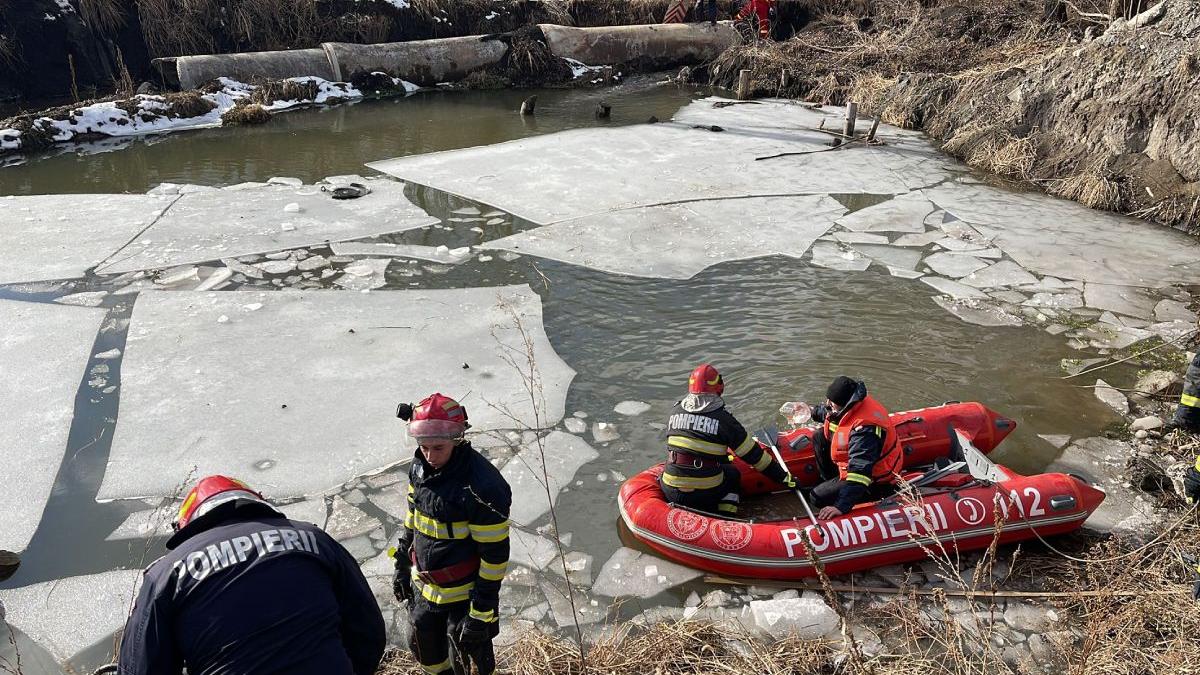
244 590
453 550
701 433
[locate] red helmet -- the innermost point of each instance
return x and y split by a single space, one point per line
438 416
705 380
203 497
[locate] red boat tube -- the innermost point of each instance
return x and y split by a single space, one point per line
955 508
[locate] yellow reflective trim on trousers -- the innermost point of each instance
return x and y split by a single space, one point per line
489 534
858 478
1190 401
1198 463
491 571
442 595
696 445
486 617
434 669
432 527
690 483
727 508
763 462
408 519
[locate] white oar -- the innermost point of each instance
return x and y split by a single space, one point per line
768 436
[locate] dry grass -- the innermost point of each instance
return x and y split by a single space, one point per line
284 90
245 114
992 147
187 104
1093 185
104 16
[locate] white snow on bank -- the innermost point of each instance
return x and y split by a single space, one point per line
152 114
579 68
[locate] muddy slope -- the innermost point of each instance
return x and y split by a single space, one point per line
1097 108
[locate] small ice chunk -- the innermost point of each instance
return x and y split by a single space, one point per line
918 240
807 617
509 256
1068 300
1173 310
603 432
277 266
1057 440
347 521
242 268
631 408
364 275
466 211
860 238
285 180
218 277
1111 397
293 207
903 273
178 275
892 256
224 318
495 221
530 550
313 263
110 354
954 265
575 425
1127 300
627 574
829 255
978 312
1003 273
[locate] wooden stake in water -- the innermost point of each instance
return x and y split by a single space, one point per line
851 117
743 87
874 128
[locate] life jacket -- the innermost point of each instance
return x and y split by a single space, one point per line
866 411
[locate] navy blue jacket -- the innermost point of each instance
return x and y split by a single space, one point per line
245 591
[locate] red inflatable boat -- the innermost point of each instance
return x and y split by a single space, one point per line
953 505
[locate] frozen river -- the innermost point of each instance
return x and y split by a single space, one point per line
224 321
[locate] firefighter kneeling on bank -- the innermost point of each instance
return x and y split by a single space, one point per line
453 550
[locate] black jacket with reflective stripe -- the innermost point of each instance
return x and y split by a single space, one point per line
246 591
457 513
713 434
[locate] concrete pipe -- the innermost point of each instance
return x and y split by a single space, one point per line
424 62
194 71
650 46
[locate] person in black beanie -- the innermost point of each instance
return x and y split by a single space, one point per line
859 443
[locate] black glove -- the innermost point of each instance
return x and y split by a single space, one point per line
473 634
402 578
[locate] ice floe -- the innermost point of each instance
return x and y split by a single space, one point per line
630 573
905 213
315 382
563 455
230 223
44 352
680 240
69 615
62 236
583 172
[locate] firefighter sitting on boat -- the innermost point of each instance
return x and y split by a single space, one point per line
700 434
858 451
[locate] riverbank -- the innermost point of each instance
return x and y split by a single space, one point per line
1087 106
1123 606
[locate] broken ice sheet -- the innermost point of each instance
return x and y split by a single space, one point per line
439 254
625 575
342 397
891 256
953 288
567 175
978 312
43 354
564 454
1120 299
950 265
69 615
698 234
146 524
1082 244
531 550
831 256
56 236
1003 273
210 225
364 275
905 213
631 408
